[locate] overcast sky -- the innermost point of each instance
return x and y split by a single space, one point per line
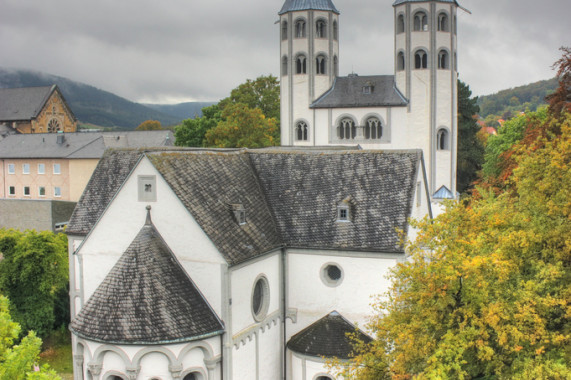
172 51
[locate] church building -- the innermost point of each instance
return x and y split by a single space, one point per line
239 264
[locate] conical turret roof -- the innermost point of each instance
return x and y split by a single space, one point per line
302 5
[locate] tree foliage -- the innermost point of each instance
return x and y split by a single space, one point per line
486 292
243 127
34 276
560 100
261 94
149 125
19 362
470 148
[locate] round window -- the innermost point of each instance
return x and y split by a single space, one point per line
260 298
331 274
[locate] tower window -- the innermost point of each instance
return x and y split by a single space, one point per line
400 24
400 61
442 140
420 60
443 22
443 61
320 65
420 22
284 30
301 131
373 129
320 29
300 29
284 66
346 129
335 31
300 65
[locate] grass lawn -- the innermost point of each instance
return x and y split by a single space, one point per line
56 351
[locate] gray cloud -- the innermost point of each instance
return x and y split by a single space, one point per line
178 50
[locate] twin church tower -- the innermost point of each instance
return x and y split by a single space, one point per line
416 108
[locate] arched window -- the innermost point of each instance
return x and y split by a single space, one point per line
301 131
443 60
373 129
335 66
323 378
346 129
190 376
53 126
442 140
400 24
320 64
420 22
300 65
420 60
284 66
443 22
400 61
320 29
260 298
284 30
335 31
300 29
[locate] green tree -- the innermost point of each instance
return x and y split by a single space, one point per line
486 292
470 148
19 362
262 93
149 125
243 127
34 275
192 131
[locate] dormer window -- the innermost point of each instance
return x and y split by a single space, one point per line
368 89
344 210
239 213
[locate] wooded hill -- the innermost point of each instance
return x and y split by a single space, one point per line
101 108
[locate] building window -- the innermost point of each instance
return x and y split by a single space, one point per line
27 191
147 188
420 60
400 61
26 168
335 31
331 274
442 139
12 190
420 22
320 29
284 66
300 29
41 169
400 24
57 169
443 61
373 129
300 65
320 65
301 131
260 298
284 30
368 88
190 376
323 378
42 191
346 129
443 22
57 191
53 126
11 169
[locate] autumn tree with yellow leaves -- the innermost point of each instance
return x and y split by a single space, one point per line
486 291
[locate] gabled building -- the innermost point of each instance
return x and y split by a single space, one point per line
234 264
36 110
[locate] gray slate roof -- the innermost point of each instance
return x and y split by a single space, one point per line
23 103
290 197
397 2
147 298
327 338
301 5
348 92
80 144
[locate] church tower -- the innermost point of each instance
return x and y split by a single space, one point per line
426 73
309 56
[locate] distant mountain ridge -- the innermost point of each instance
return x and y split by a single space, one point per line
102 108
